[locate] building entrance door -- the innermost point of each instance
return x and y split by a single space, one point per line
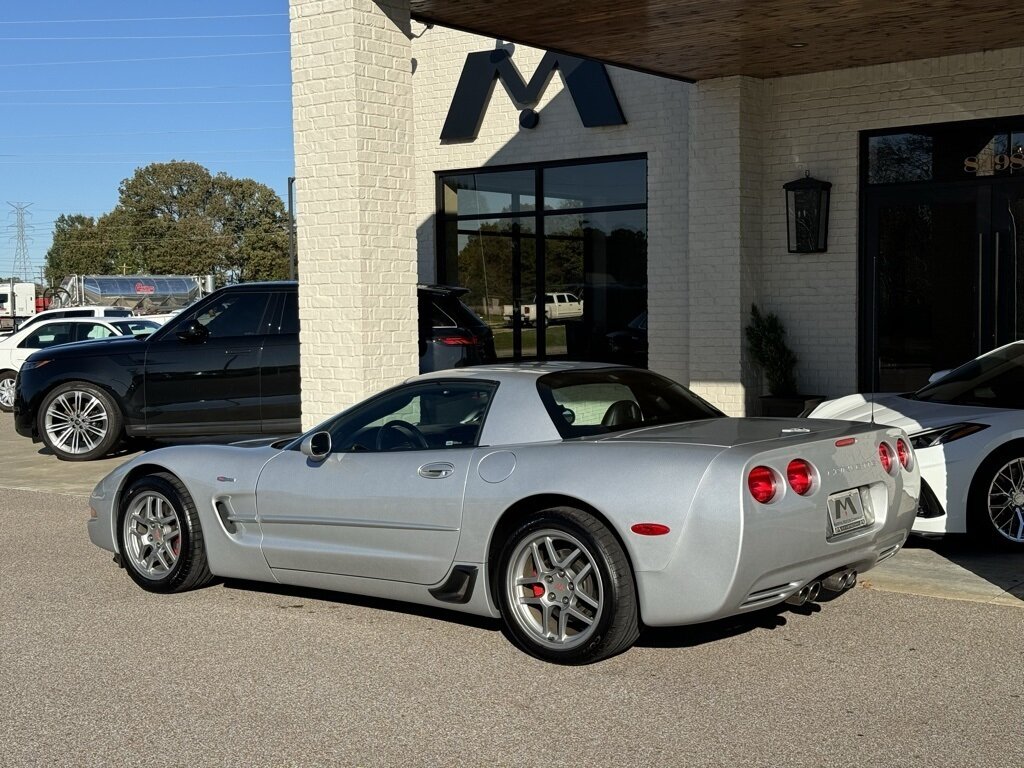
942 237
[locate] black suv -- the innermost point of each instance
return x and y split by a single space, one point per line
227 365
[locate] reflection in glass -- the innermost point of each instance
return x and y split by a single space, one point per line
899 157
594 230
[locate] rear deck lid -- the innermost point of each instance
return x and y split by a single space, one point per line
729 432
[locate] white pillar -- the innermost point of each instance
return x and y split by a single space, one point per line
352 114
726 118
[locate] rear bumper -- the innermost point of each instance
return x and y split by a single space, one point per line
766 554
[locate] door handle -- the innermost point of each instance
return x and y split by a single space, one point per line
995 293
436 471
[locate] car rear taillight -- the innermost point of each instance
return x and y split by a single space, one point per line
800 475
761 482
885 456
458 341
903 453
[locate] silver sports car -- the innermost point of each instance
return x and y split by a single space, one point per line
575 501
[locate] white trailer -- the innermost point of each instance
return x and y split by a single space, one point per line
17 301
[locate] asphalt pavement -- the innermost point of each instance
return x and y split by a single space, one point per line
94 671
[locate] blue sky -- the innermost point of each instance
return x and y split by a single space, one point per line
78 115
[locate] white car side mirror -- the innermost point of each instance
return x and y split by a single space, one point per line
937 375
316 446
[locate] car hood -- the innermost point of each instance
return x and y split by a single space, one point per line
900 411
84 348
728 432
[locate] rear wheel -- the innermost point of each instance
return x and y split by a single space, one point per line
996 502
159 536
566 588
79 422
7 390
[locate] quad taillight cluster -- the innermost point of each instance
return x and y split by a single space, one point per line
764 482
901 455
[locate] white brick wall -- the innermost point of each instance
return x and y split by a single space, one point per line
352 113
656 114
812 123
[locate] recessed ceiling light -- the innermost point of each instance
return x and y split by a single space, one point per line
797 45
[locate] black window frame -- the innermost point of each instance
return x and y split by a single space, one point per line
539 214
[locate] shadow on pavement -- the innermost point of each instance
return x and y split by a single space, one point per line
999 567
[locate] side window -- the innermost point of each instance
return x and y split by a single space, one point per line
49 335
289 319
91 331
78 313
437 415
235 314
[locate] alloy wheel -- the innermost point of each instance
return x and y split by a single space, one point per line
1006 501
152 535
554 589
7 392
76 422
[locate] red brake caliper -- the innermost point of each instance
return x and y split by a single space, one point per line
538 590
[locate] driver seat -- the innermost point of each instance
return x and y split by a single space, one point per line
621 413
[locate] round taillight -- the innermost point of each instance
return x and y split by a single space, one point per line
885 456
903 453
800 476
761 482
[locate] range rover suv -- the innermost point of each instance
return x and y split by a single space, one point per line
228 365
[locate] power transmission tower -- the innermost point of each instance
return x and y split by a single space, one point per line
22 267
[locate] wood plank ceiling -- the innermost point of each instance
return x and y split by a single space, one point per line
699 39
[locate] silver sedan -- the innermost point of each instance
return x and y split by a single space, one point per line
578 502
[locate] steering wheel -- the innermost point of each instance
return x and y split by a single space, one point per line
411 435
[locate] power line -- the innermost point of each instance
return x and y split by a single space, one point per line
158 153
141 103
127 61
148 18
149 88
142 37
145 133
221 161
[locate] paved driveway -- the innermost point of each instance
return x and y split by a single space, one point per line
94 671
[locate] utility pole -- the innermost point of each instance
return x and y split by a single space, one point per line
22 267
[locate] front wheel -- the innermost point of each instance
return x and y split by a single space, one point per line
79 422
996 503
566 588
7 390
160 537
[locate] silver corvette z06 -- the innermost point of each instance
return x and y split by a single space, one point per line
575 501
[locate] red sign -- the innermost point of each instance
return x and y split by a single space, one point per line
143 288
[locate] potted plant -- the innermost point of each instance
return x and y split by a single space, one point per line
766 338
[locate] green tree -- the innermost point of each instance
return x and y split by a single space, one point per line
178 218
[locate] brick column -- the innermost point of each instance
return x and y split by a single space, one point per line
726 119
352 114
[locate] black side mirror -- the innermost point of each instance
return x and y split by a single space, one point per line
194 332
316 446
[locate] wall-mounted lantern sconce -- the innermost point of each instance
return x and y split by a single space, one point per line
807 214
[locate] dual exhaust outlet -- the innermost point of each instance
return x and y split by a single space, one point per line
837 582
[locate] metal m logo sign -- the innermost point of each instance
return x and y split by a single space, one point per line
587 82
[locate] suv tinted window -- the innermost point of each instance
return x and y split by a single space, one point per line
289 321
463 316
49 335
236 313
85 331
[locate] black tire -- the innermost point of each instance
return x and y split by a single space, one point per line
190 569
614 626
980 524
7 378
54 410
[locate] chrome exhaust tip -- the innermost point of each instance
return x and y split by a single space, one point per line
812 591
798 598
851 580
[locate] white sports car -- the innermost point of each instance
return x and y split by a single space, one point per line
967 428
575 501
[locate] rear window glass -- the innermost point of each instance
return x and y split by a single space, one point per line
450 306
599 401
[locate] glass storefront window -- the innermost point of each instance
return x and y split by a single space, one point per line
566 281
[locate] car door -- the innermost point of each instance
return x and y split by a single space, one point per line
280 385
386 503
208 382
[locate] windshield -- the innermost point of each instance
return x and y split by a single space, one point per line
602 400
995 380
